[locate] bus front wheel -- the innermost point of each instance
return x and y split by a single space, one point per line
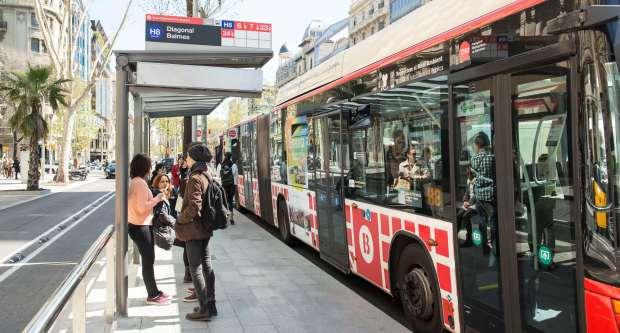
417 290
283 223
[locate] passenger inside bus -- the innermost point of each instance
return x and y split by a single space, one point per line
397 148
394 155
482 193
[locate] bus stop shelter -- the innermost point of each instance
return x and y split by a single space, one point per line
170 84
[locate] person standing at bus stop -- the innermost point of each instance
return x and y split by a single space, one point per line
140 203
228 173
196 234
176 174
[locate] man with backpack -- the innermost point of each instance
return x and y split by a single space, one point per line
228 177
192 228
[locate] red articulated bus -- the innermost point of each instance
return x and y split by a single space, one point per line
463 159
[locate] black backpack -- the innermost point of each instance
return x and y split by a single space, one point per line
215 211
226 174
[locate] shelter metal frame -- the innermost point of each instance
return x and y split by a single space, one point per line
167 101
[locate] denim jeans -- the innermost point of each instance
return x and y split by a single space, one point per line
201 269
230 196
181 243
142 235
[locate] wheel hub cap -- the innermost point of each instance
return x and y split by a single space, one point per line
418 293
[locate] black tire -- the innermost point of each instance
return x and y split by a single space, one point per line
283 224
417 289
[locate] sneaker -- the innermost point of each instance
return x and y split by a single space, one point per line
191 298
198 316
157 300
190 290
210 308
164 295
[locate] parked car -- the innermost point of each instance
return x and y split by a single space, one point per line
110 170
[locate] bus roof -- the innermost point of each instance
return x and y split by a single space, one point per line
436 22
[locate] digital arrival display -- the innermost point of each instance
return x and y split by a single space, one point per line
166 30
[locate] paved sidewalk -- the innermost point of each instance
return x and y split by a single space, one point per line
261 286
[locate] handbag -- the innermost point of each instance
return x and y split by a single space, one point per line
402 184
163 234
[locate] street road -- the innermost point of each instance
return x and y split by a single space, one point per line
25 286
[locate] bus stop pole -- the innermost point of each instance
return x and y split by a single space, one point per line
138 126
146 140
122 184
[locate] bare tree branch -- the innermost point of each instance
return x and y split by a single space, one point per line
162 7
66 23
102 61
43 25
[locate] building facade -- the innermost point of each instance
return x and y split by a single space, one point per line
400 8
102 96
318 44
21 44
367 17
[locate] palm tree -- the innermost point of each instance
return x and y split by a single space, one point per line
28 92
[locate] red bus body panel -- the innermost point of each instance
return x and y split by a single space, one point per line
600 315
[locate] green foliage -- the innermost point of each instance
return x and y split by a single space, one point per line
28 92
85 129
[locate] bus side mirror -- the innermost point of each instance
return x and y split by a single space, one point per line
604 17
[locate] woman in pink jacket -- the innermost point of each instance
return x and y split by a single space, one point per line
140 205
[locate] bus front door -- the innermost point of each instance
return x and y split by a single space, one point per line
329 135
516 217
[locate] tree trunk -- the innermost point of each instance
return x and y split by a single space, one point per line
33 166
65 146
15 145
189 7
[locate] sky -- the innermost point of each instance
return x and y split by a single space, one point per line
289 19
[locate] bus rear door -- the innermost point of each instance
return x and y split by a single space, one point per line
330 137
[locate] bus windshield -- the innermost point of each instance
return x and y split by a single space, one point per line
601 87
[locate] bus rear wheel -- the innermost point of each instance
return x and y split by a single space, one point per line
417 290
283 223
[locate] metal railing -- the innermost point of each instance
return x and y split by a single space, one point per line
73 289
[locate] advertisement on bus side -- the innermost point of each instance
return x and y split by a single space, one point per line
297 150
300 215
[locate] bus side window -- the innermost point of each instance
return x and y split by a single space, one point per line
398 149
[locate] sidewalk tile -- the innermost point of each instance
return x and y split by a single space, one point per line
262 285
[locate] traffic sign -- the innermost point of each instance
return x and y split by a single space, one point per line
181 30
164 31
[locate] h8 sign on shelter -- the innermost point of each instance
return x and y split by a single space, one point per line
166 32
